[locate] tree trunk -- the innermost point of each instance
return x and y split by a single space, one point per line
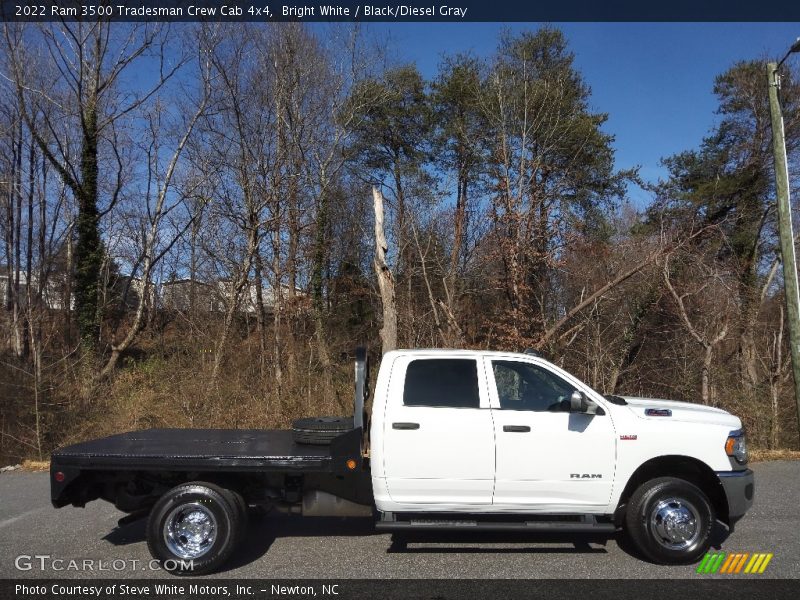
775 424
451 280
294 235
317 284
17 235
775 384
29 291
88 250
434 306
277 308
193 266
460 218
67 298
261 315
235 298
36 354
748 354
385 279
706 374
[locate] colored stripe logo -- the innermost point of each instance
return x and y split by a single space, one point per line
734 563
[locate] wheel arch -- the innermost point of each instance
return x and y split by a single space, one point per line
139 490
683 467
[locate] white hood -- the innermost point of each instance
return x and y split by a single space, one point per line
683 411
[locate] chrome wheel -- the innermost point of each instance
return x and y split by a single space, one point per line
190 530
675 524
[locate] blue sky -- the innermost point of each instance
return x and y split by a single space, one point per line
654 79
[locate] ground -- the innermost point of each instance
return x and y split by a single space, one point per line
294 547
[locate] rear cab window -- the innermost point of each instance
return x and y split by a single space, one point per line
442 382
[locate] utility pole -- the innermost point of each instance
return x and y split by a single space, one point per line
785 223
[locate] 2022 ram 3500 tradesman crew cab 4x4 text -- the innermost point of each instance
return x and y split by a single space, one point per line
458 439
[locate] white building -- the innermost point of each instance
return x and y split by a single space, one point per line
52 294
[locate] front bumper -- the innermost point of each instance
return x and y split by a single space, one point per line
739 489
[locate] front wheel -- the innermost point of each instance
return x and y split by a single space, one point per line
193 528
669 520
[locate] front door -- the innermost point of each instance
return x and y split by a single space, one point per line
438 436
548 459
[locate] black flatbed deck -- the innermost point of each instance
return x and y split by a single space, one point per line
131 469
197 449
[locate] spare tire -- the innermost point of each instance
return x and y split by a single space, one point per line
320 431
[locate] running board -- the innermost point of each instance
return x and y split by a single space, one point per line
588 525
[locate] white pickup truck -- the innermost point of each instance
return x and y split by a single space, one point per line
458 440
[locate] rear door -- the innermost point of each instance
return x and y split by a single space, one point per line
438 432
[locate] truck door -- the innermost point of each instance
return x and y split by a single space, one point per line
548 459
438 432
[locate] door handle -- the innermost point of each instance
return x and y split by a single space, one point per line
516 428
405 425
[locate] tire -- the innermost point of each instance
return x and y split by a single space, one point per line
237 500
320 431
213 519
669 521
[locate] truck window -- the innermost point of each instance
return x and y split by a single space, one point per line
524 386
451 383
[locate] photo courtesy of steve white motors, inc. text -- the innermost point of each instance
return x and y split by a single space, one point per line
169 589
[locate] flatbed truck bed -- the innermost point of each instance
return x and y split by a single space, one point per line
130 469
196 449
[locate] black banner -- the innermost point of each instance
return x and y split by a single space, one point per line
404 11
439 589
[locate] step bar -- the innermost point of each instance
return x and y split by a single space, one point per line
586 524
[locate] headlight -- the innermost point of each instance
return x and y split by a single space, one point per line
736 446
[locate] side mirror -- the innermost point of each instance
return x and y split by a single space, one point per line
579 403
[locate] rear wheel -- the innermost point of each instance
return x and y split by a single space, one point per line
669 520
320 431
237 500
193 528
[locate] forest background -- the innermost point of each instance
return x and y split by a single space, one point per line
188 228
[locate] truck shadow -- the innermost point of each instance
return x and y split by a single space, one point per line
264 530
473 543
132 533
465 543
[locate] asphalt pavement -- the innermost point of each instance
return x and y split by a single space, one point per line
87 543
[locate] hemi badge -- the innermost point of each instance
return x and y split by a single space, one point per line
627 437
658 412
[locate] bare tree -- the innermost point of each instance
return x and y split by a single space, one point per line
775 364
241 143
155 244
12 225
708 331
82 98
385 277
